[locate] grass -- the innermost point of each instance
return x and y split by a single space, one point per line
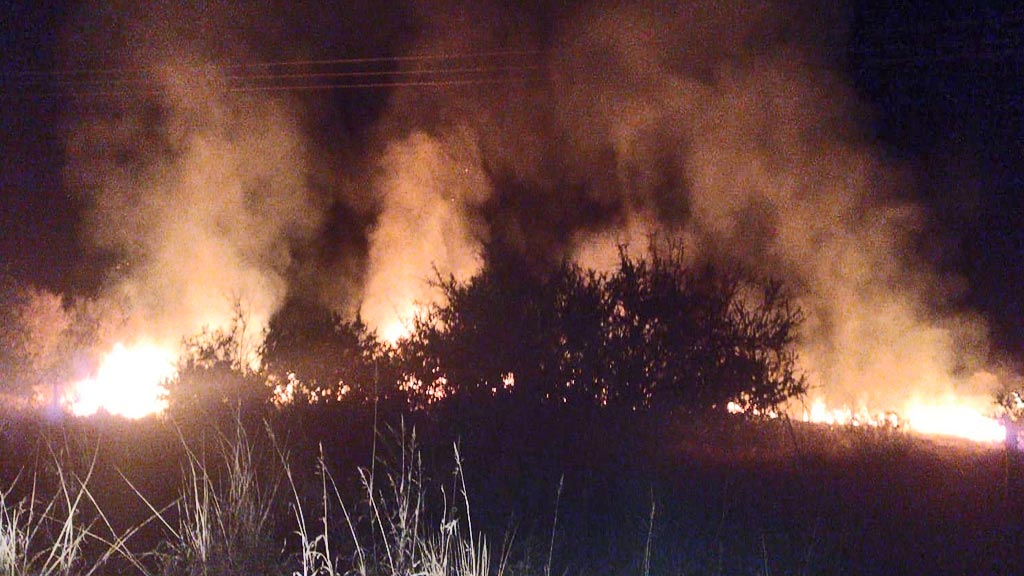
226 524
42 536
246 501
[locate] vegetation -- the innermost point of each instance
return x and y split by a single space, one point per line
719 497
314 356
566 422
654 334
218 373
33 338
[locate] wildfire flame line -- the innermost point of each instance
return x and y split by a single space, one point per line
129 382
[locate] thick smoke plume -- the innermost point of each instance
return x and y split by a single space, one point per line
727 126
431 190
198 194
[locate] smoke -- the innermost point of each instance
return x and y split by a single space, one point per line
759 159
198 194
728 126
430 188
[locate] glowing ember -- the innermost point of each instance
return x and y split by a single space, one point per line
845 416
129 383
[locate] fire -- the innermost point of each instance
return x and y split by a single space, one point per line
820 413
394 330
128 382
949 417
399 321
960 421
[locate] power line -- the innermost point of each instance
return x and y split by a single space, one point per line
324 87
285 63
364 73
382 72
142 81
279 88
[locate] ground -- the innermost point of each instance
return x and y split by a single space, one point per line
594 493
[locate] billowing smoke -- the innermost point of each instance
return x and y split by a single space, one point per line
730 128
198 193
431 192
727 126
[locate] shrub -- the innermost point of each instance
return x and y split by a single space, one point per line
653 334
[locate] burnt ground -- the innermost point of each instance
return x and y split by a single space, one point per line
728 496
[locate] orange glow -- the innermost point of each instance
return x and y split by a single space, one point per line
820 413
949 417
394 330
129 383
960 421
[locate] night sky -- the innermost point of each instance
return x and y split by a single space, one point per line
941 81
945 82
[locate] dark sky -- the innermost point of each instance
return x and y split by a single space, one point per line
37 218
946 82
943 80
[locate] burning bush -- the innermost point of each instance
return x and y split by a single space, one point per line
313 355
655 333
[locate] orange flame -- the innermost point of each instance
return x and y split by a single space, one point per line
950 417
129 383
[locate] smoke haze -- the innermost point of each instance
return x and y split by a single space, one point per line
728 126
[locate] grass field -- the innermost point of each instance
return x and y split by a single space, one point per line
501 490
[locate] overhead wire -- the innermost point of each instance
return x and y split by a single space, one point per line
451 69
445 70
290 63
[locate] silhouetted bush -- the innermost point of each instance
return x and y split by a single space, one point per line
217 375
654 333
316 356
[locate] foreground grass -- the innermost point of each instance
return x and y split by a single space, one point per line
48 536
226 520
698 499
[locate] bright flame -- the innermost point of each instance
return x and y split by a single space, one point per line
129 383
960 421
394 330
950 418
820 413
400 323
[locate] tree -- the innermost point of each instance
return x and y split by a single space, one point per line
34 340
655 333
699 338
217 373
495 336
584 307
318 357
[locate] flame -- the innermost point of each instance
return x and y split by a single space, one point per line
950 417
821 413
399 321
129 383
391 331
956 420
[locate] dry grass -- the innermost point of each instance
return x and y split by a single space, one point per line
241 505
225 524
48 536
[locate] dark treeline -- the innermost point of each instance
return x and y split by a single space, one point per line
653 334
